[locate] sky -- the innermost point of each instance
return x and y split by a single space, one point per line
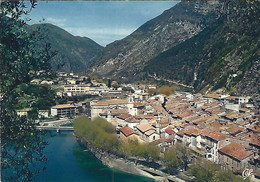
102 21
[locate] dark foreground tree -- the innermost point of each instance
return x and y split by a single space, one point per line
21 143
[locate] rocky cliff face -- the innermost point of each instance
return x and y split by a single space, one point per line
225 55
208 45
128 56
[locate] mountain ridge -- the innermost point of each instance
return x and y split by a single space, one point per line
125 57
223 52
74 53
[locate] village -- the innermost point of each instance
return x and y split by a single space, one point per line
222 128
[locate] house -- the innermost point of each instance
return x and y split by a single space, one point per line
192 138
169 133
163 143
242 100
23 112
232 106
43 114
179 136
212 141
255 144
64 110
111 115
147 133
209 98
72 82
99 107
132 122
234 156
127 134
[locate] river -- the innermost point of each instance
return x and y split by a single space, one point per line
68 161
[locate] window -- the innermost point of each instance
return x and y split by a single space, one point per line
153 137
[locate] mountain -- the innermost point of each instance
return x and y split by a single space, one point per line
209 45
128 56
226 54
74 53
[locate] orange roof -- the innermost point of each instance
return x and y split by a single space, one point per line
144 127
231 115
235 150
255 140
193 131
231 98
124 116
243 109
213 95
218 111
254 128
235 130
169 131
215 125
111 102
217 136
143 117
63 106
163 121
24 110
163 126
148 133
200 121
180 133
158 108
185 114
127 131
194 118
131 120
138 104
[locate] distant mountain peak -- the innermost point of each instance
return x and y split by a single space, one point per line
74 53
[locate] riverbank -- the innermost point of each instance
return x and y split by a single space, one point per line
126 165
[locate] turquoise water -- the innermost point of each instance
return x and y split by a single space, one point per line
68 162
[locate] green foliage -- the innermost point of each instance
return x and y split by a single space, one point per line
208 171
177 156
21 143
40 97
204 170
166 90
102 134
98 132
171 161
128 89
151 91
221 83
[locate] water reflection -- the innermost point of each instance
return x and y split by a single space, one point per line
69 161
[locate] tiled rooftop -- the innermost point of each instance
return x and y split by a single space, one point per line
144 127
235 150
126 131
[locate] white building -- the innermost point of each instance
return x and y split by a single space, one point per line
43 114
23 112
63 110
242 100
85 89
